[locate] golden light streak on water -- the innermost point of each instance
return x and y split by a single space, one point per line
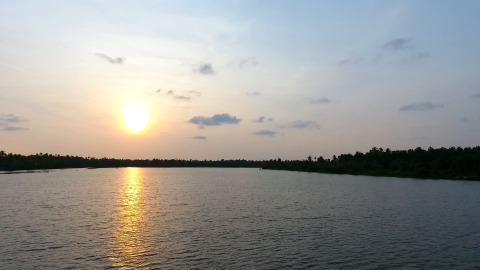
129 243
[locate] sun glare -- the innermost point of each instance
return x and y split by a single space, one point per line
135 117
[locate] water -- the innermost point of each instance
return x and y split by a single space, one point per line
235 219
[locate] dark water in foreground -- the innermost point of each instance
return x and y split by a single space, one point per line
235 219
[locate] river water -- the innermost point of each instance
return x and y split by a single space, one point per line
210 218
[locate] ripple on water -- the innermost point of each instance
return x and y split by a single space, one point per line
234 219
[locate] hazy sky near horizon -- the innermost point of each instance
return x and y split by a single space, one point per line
238 79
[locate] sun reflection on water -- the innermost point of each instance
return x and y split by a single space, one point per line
129 235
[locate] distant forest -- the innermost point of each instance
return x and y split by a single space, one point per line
441 163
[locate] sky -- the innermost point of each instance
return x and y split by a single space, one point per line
238 79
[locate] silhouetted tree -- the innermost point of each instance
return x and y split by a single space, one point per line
452 163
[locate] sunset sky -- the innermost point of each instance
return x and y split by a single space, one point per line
238 79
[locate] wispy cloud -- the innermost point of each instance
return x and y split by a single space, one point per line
111 60
254 93
11 118
243 63
266 133
302 124
475 96
9 122
199 137
248 62
215 120
420 106
398 44
350 61
402 50
416 56
204 68
470 120
12 128
405 47
183 96
262 119
322 100
195 93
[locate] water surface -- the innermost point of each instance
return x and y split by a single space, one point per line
235 219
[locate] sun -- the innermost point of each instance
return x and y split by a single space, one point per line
135 117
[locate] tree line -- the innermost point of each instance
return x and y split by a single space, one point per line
44 161
441 163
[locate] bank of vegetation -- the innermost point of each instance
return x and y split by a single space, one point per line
43 161
441 163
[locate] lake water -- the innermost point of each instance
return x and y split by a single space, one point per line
206 218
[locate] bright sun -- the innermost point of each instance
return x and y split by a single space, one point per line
135 117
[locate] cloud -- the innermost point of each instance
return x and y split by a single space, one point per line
304 124
301 124
350 61
12 128
199 137
265 133
215 120
262 119
184 98
469 120
243 63
416 56
11 118
322 100
398 44
195 93
205 69
187 96
111 60
420 106
9 122
405 46
396 50
254 93
475 96
248 62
